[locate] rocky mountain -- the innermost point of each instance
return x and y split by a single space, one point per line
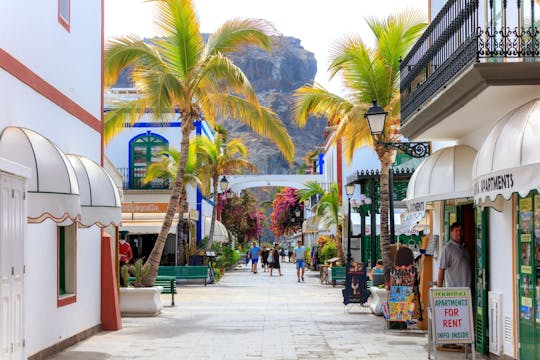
275 76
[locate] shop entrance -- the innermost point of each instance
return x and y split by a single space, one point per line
474 223
529 275
142 245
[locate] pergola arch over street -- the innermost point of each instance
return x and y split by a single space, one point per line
237 183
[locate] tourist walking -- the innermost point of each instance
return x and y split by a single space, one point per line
275 260
254 253
300 255
264 255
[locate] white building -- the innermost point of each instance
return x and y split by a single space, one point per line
473 78
57 280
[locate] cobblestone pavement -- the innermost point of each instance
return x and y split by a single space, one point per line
255 316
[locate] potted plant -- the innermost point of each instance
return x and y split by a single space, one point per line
135 299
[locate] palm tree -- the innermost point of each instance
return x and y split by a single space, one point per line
327 209
215 158
367 74
166 170
179 72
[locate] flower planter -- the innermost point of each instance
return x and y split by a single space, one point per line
140 302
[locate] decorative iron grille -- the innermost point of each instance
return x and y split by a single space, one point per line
465 32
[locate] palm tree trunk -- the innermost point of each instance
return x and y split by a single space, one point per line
214 212
384 156
155 256
182 208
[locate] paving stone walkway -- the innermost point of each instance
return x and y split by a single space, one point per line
255 316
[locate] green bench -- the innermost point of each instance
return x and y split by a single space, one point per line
185 272
338 274
168 283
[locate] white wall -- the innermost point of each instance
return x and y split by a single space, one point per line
500 262
47 324
69 61
22 106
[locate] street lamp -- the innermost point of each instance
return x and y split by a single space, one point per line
223 183
376 117
349 190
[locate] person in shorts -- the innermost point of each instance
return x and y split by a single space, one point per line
300 255
254 253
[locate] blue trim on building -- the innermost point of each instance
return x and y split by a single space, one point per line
175 124
198 126
321 163
209 133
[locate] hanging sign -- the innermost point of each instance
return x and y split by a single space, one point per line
452 315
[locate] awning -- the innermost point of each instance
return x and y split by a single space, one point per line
100 198
145 227
411 223
509 159
53 191
445 174
221 235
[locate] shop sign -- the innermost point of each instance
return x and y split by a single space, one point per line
144 207
452 315
419 206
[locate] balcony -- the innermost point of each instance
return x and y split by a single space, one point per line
136 182
476 60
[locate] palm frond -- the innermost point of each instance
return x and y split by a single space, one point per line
317 101
219 74
236 33
178 23
262 121
121 113
129 52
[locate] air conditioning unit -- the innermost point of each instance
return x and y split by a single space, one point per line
495 321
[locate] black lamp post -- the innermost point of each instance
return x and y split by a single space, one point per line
376 117
349 190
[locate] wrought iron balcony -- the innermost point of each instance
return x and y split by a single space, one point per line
136 181
466 32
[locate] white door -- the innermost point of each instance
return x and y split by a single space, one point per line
12 231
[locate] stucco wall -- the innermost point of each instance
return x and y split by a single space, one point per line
69 61
45 322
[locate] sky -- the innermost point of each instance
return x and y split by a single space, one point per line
317 23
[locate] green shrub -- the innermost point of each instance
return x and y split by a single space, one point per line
308 256
328 251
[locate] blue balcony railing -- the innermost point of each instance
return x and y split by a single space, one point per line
464 32
137 182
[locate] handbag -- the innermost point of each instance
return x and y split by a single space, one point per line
270 258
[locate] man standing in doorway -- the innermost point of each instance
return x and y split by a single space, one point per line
254 253
300 255
455 265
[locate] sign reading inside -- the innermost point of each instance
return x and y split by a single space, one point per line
452 315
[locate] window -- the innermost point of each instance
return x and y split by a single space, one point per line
144 150
67 265
64 13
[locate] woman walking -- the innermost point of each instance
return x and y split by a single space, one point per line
275 260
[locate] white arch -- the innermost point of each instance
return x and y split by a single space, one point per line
238 183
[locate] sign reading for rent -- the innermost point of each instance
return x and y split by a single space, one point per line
452 315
